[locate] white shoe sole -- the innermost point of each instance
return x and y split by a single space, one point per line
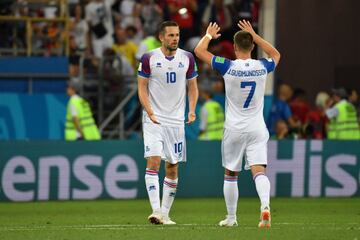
225 224
169 223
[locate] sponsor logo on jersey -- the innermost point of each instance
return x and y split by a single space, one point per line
246 64
158 65
147 148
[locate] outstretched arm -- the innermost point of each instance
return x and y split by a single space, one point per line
212 32
264 45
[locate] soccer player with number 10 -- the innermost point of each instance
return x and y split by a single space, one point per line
163 76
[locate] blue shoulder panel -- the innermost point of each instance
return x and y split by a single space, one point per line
269 64
220 64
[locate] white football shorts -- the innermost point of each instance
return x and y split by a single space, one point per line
235 145
168 142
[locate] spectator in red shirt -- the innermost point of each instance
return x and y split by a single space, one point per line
299 105
316 120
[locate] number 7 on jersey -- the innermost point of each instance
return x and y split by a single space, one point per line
252 85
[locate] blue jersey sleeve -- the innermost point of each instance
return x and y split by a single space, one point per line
269 64
192 70
220 64
144 66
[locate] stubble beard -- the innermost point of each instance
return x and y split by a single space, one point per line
172 49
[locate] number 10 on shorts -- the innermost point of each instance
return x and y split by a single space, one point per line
178 147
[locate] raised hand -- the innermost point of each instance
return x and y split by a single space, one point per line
213 29
246 26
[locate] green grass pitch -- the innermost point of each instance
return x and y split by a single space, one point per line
292 218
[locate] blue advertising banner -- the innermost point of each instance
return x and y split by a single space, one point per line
36 116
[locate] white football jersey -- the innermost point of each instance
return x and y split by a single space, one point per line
167 84
245 89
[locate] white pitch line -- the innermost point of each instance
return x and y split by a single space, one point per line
112 227
102 226
299 223
352 226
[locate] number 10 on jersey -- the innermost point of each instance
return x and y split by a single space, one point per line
170 77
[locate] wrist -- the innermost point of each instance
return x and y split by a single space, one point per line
256 37
208 35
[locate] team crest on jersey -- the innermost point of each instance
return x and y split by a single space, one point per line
180 65
158 65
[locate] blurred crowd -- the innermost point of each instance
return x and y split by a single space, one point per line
115 34
110 36
334 115
120 28
46 37
125 29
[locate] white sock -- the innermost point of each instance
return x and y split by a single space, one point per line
231 194
152 187
169 191
262 184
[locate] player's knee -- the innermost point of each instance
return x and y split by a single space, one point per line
230 173
256 169
172 172
153 164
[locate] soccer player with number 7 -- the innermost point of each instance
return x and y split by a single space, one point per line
163 76
245 132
